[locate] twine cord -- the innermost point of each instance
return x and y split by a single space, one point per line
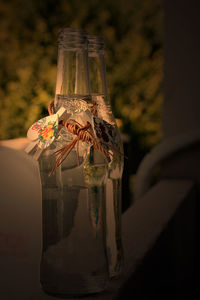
83 133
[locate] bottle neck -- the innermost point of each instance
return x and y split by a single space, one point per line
97 66
72 66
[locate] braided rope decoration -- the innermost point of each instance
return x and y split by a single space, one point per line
82 133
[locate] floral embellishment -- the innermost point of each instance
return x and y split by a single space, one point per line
42 133
105 132
47 134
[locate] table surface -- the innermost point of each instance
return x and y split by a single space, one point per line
20 225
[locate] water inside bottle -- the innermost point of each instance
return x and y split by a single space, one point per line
81 205
113 188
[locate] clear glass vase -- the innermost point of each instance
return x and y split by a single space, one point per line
111 135
74 257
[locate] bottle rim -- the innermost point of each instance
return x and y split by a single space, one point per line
73 31
72 37
95 43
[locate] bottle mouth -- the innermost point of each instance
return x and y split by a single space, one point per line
95 43
72 38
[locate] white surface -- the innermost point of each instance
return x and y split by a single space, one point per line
143 222
159 153
21 227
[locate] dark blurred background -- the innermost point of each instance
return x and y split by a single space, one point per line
28 60
133 32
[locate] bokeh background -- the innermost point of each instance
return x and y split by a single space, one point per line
28 60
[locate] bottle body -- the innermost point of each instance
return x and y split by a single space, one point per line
98 86
113 189
74 259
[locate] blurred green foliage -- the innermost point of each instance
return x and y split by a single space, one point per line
28 60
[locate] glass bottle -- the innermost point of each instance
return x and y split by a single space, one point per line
98 88
74 259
